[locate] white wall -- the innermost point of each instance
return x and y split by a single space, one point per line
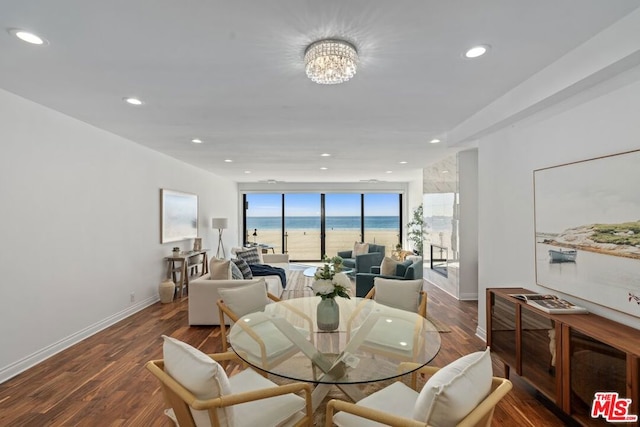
600 121
468 232
80 228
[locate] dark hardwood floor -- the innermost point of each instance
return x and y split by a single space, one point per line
102 381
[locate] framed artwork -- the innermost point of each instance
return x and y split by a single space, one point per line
178 216
587 230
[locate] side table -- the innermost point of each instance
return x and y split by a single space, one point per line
180 265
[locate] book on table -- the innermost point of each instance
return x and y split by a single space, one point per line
550 303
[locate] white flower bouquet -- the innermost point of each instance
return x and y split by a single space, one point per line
329 281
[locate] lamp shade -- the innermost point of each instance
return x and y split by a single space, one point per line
219 223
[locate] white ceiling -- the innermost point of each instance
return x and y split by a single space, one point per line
231 73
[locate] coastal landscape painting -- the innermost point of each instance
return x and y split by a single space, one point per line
178 216
587 230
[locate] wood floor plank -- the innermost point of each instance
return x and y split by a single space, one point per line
102 381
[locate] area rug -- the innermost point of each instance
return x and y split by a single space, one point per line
299 286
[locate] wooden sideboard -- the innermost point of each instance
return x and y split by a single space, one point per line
566 357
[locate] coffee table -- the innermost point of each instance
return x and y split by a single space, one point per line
369 345
311 271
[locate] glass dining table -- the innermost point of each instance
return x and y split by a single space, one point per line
369 345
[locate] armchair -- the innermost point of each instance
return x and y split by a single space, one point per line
363 262
406 270
200 393
463 393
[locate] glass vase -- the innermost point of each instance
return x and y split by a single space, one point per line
328 315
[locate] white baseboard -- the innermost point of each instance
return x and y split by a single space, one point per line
481 333
469 297
10 371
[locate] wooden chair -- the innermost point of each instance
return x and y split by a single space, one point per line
252 392
480 416
261 342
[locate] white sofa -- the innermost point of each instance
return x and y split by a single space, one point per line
203 292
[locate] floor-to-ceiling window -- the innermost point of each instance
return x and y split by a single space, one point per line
263 219
382 219
302 216
343 221
308 226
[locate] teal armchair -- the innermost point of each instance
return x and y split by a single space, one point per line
363 262
406 270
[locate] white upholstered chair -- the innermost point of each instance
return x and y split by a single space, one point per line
201 394
403 294
463 393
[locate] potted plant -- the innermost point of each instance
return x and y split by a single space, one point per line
416 230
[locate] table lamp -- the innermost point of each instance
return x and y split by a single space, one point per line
219 224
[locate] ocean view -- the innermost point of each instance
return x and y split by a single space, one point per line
333 222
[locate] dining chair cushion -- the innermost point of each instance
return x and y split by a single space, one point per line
199 374
275 342
245 299
396 399
388 266
273 411
455 390
220 269
396 293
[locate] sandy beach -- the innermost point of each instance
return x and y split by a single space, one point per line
305 244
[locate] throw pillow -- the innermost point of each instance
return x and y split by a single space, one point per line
245 299
252 256
199 374
453 391
388 266
244 268
236 274
220 269
396 293
360 249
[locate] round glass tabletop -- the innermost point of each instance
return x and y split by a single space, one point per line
370 343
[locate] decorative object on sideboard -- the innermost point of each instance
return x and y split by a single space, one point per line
175 251
220 224
197 244
329 283
166 289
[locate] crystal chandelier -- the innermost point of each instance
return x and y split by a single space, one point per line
330 62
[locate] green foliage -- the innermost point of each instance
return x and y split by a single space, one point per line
416 229
327 284
626 233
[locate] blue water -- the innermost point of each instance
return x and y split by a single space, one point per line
333 222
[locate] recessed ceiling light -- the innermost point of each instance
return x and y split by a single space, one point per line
28 37
323 168
434 141
132 101
247 171
403 162
476 51
445 171
196 141
325 155
389 172
228 160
